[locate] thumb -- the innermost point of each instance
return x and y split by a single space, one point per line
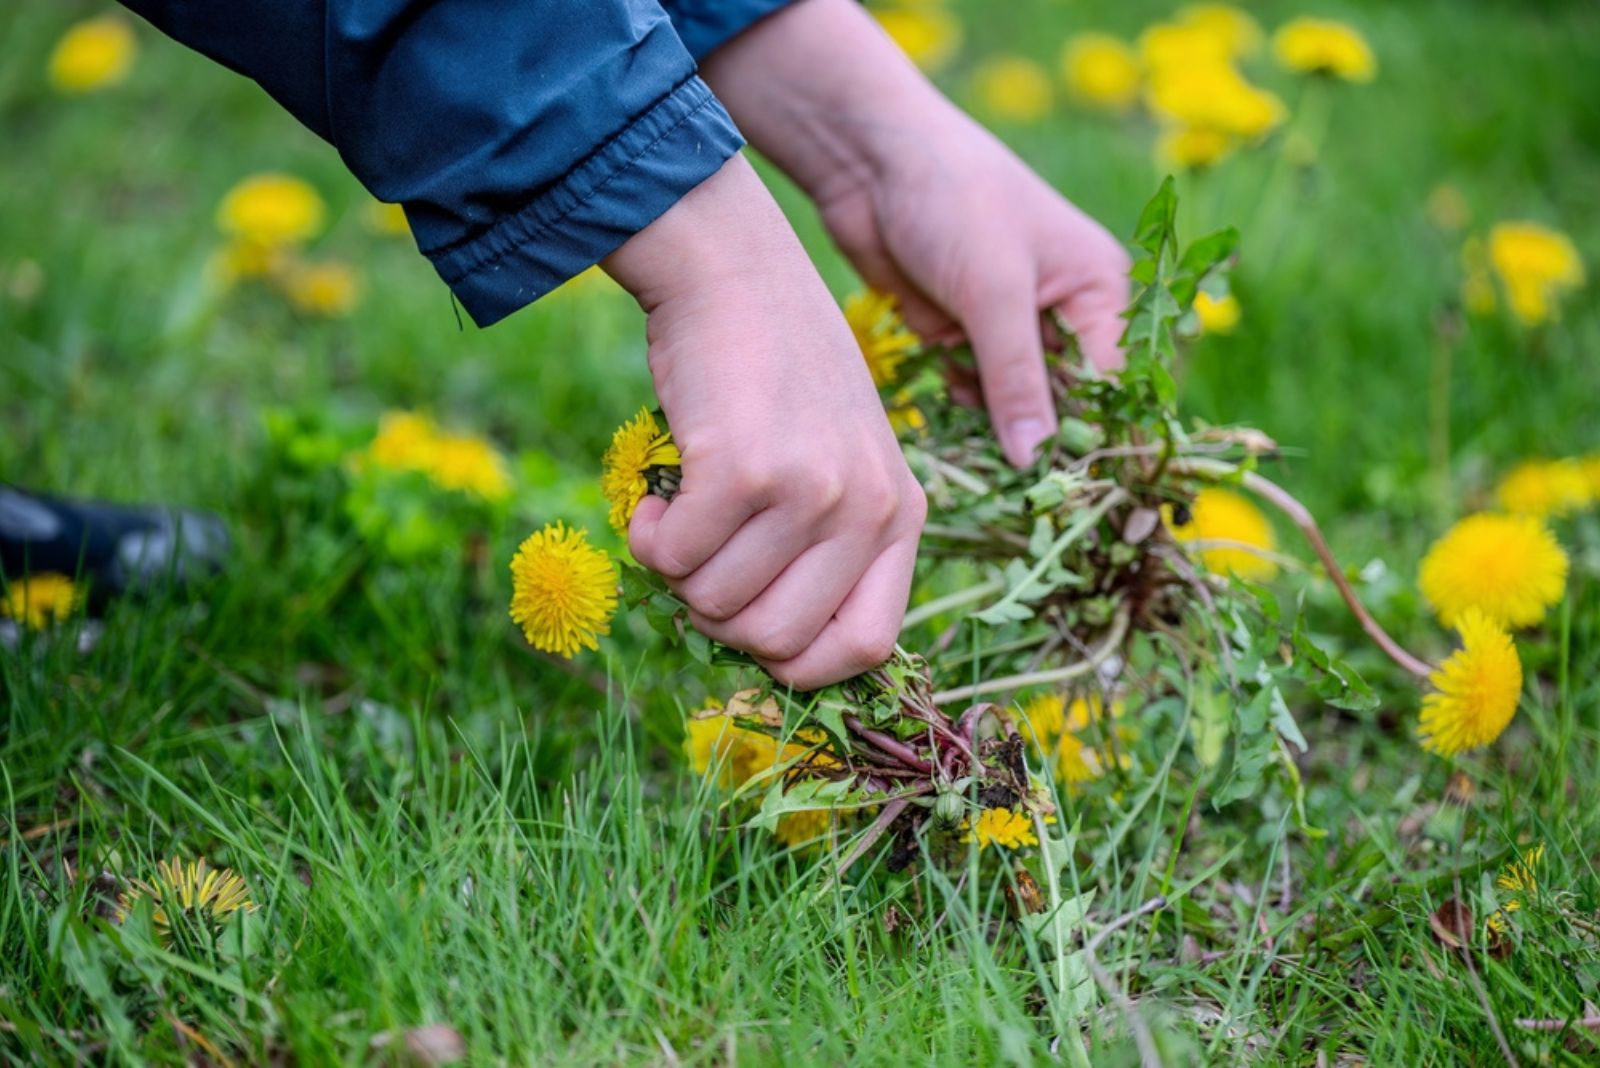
642 529
1004 331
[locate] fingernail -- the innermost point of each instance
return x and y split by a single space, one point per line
1023 437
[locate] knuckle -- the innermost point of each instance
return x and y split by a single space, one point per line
666 560
715 605
778 644
914 504
871 647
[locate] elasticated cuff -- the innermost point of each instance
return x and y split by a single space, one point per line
682 140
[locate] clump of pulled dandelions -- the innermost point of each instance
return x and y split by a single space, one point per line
640 450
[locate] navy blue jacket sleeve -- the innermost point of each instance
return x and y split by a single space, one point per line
527 139
705 24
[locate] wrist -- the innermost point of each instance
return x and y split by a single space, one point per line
821 90
713 237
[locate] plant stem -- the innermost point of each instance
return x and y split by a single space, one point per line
1080 526
1110 644
923 613
1298 514
895 748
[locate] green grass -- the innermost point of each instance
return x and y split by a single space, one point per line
442 828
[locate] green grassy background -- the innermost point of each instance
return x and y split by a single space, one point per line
444 829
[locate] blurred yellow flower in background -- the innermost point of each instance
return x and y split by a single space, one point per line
1012 88
1509 567
1536 265
1167 46
1232 30
796 829
412 441
271 210
929 35
1213 96
1224 527
1064 735
883 336
1217 316
1546 488
94 54
1323 46
329 289
1192 148
40 600
637 445
1003 827
1101 71
563 590
1519 880
1477 689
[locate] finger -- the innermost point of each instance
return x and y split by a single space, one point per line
746 564
1094 309
1004 328
863 631
791 612
855 232
675 539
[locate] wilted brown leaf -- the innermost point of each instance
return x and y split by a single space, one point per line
1451 923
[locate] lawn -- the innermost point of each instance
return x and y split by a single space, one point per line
458 845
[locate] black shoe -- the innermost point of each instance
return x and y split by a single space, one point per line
117 548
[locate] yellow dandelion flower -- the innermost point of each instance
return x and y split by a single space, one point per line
1217 316
1224 527
193 892
38 601
1000 826
386 220
1059 730
1012 88
1323 46
241 260
1233 32
904 415
1510 567
929 36
94 54
1519 880
272 210
404 442
1170 46
563 590
638 445
799 829
882 335
1590 466
469 464
1213 96
1545 488
329 289
1478 687
1192 148
1101 71
1537 265
717 744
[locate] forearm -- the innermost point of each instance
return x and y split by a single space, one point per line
825 94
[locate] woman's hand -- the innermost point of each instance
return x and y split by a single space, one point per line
927 204
795 531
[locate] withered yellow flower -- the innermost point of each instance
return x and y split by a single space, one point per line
193 891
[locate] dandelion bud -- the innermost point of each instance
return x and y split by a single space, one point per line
948 808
